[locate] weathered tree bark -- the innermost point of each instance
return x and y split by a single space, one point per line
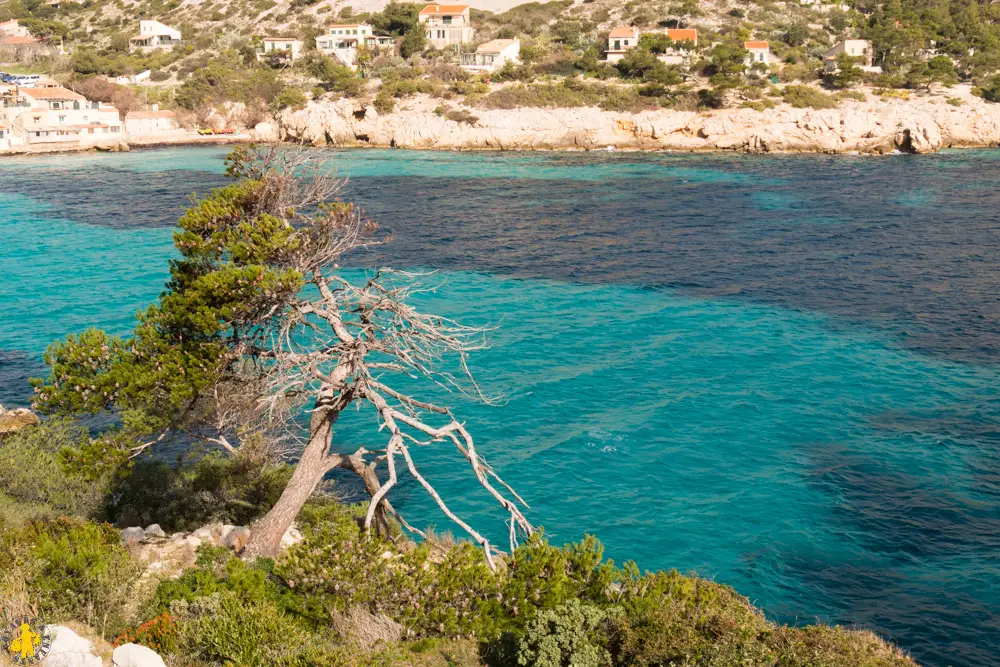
266 533
315 463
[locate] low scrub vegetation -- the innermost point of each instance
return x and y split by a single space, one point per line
341 597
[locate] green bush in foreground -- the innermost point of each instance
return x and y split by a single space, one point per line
73 570
548 606
33 480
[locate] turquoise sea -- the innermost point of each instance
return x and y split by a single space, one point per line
778 372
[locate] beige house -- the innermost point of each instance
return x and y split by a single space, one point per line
289 46
856 48
154 35
4 137
492 55
620 41
39 116
760 53
446 25
142 123
343 40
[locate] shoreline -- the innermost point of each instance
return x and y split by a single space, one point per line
873 127
947 118
126 144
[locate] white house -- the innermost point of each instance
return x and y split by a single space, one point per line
446 25
760 53
289 46
492 55
133 79
621 40
57 115
343 40
13 29
143 123
4 137
856 48
154 35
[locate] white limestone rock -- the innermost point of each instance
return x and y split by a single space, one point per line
154 530
136 655
133 536
70 650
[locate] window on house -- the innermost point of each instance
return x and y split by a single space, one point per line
76 106
446 20
618 45
62 119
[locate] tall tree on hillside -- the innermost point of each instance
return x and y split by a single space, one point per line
258 327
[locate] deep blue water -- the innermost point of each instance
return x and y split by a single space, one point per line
779 372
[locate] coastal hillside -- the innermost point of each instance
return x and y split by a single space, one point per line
236 64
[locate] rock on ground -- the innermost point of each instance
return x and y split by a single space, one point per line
136 655
133 536
15 419
154 530
70 650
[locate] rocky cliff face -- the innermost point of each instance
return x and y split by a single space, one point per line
923 124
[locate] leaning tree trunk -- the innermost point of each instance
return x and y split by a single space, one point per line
266 533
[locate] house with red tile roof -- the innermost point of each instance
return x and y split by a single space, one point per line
621 40
447 25
760 53
683 35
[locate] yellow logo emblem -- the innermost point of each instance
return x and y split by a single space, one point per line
26 640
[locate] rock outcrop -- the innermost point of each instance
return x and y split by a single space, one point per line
69 649
15 419
921 125
136 655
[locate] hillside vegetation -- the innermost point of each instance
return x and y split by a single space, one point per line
917 45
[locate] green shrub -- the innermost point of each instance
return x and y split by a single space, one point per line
667 616
989 92
384 103
572 635
462 116
852 95
219 571
337 568
74 570
955 101
758 105
803 97
230 489
290 97
224 628
33 477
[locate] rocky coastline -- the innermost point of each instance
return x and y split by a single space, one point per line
943 118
